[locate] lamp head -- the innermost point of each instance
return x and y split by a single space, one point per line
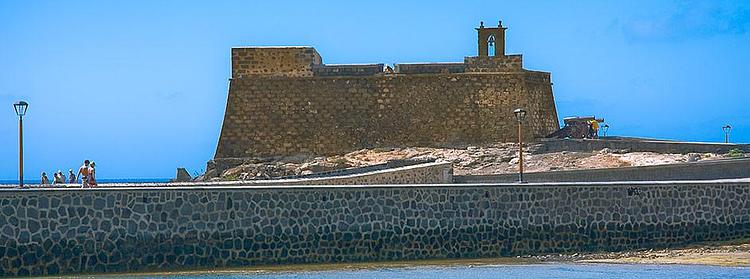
520 114
21 107
726 128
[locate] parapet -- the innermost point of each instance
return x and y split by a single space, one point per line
347 70
505 63
274 61
430 68
306 62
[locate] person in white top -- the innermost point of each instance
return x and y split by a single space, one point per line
92 174
56 179
62 176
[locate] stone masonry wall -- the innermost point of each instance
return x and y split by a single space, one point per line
274 61
427 173
503 63
331 115
68 231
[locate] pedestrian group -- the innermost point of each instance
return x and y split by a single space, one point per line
86 173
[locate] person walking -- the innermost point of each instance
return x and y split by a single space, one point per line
594 129
72 179
45 180
92 174
62 176
83 173
56 178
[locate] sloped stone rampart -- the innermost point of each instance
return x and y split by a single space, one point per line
267 116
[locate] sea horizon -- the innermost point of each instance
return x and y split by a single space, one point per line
101 180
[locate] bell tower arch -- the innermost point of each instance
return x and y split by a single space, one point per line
491 39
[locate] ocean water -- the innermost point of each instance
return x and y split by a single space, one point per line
101 180
497 271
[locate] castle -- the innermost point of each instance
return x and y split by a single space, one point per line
285 101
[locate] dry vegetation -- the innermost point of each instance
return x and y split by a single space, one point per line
475 160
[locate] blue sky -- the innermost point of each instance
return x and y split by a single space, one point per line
140 86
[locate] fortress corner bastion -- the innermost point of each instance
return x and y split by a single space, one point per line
285 101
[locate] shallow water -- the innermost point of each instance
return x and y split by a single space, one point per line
498 271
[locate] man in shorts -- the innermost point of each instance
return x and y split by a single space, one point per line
83 173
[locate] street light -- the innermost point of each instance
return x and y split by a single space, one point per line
726 129
20 108
604 129
520 114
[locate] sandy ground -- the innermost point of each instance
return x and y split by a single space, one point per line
472 160
734 254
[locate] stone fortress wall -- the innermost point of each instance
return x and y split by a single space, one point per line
285 101
67 231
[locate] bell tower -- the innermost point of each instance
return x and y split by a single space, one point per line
491 39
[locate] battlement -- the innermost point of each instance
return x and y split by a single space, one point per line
484 64
274 61
347 70
430 68
306 62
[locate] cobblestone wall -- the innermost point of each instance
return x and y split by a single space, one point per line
137 229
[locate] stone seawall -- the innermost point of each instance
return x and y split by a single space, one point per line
66 231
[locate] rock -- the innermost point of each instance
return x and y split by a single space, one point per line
693 157
305 167
245 176
606 151
182 175
513 161
426 158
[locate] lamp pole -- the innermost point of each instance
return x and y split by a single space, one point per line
520 114
20 151
20 108
604 129
726 129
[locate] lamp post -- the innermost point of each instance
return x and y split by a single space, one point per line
726 129
604 129
20 108
520 114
